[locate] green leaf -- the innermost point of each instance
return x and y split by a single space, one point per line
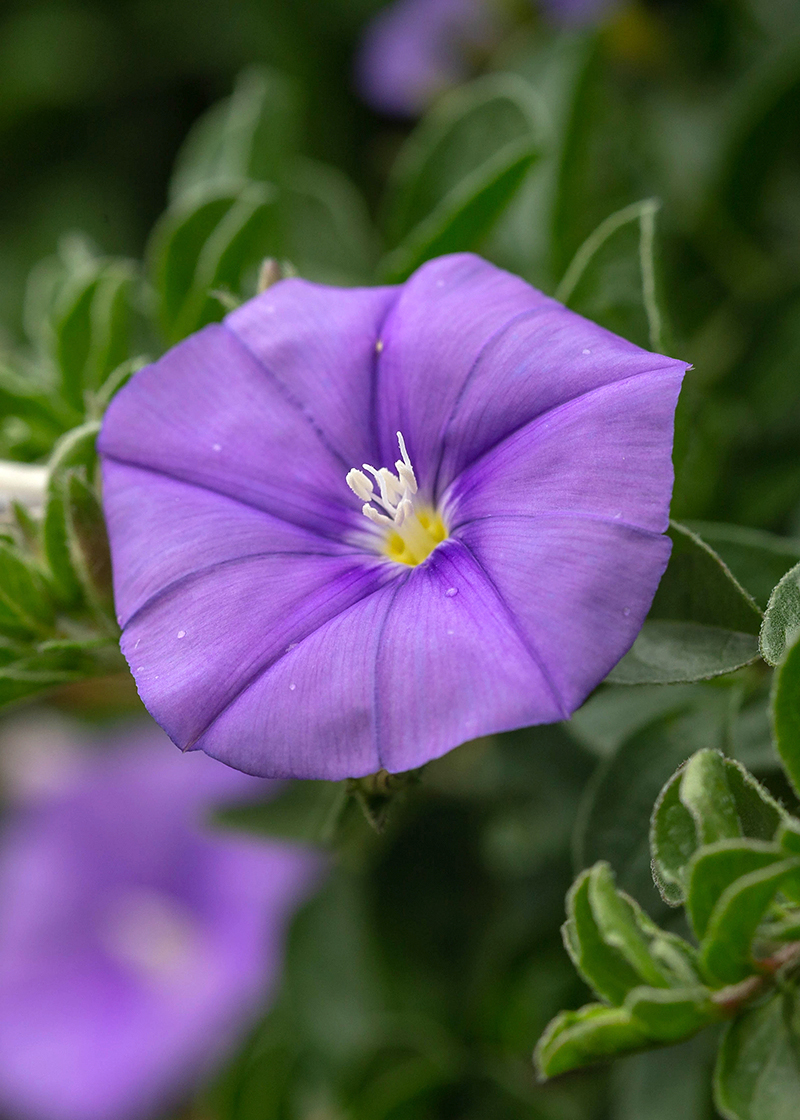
26 609
88 541
726 955
615 822
671 1083
708 799
785 704
782 618
245 136
673 841
325 228
705 792
75 449
305 811
715 867
91 328
578 1038
601 965
620 924
612 277
757 559
671 1016
209 239
458 171
702 622
758 1066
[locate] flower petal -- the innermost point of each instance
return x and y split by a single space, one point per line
579 588
445 315
538 362
319 344
606 454
195 530
194 649
424 664
209 413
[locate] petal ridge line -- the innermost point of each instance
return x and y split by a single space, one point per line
566 515
531 313
287 395
187 577
269 664
525 641
563 407
375 725
220 493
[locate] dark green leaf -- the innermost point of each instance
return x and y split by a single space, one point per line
75 449
615 821
612 278
715 867
246 136
702 622
758 1067
306 811
208 241
26 609
458 171
786 713
757 559
726 954
671 1083
577 1038
88 541
782 618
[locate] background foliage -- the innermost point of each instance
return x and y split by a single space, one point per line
647 172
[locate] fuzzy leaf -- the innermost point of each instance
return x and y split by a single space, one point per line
601 965
758 1067
577 1038
75 449
786 713
612 277
702 622
725 954
715 867
782 618
458 170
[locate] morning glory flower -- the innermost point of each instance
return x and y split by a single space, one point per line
135 942
353 528
413 50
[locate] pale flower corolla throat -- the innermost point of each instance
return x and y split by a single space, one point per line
410 530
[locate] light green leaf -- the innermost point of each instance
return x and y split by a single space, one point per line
715 867
577 1038
620 923
26 609
702 622
726 955
673 1015
705 793
601 965
75 449
458 170
245 136
758 1067
673 841
782 618
612 277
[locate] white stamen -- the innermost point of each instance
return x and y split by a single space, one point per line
396 491
360 485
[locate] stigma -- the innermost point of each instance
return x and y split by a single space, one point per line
411 529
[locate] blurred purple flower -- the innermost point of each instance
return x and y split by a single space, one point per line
134 942
272 625
415 49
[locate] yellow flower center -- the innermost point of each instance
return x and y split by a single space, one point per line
412 529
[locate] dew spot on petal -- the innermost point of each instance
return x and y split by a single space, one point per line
181 633
451 591
216 447
586 351
292 687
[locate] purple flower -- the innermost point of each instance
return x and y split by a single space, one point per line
134 942
415 49
504 564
